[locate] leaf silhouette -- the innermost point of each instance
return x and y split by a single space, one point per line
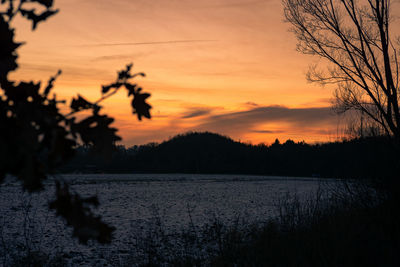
76 211
131 88
106 88
80 103
23 91
95 130
8 48
35 18
50 83
140 107
62 147
46 3
125 74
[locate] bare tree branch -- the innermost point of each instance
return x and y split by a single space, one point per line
354 36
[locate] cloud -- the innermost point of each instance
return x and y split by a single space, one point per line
117 57
266 131
252 104
146 43
70 72
196 112
247 121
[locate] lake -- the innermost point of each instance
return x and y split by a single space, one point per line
134 203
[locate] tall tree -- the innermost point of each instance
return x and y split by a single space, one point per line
354 36
36 137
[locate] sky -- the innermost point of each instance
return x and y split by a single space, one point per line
225 66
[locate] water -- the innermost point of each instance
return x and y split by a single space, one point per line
132 203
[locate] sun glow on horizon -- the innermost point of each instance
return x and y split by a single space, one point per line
211 66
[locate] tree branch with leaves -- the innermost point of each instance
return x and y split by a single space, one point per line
36 137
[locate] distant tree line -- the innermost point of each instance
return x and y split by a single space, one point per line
205 153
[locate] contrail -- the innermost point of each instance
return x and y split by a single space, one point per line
149 43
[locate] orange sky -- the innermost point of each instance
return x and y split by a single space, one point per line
226 66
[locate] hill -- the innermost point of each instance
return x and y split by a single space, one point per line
199 153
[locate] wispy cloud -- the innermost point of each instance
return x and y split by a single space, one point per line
146 43
243 122
267 131
251 104
116 57
196 112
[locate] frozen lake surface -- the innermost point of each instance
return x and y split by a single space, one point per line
135 202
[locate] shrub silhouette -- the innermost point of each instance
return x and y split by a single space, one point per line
36 137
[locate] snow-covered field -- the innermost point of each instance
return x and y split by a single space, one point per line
133 203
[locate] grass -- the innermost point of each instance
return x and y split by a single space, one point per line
344 227
353 224
349 225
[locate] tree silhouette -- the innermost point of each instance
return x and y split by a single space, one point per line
355 37
36 138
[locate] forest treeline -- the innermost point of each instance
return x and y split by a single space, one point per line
208 153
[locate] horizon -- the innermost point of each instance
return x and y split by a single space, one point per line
228 68
281 141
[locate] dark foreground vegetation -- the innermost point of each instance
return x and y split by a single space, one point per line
360 231
349 224
212 153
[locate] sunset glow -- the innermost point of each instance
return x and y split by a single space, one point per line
225 66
